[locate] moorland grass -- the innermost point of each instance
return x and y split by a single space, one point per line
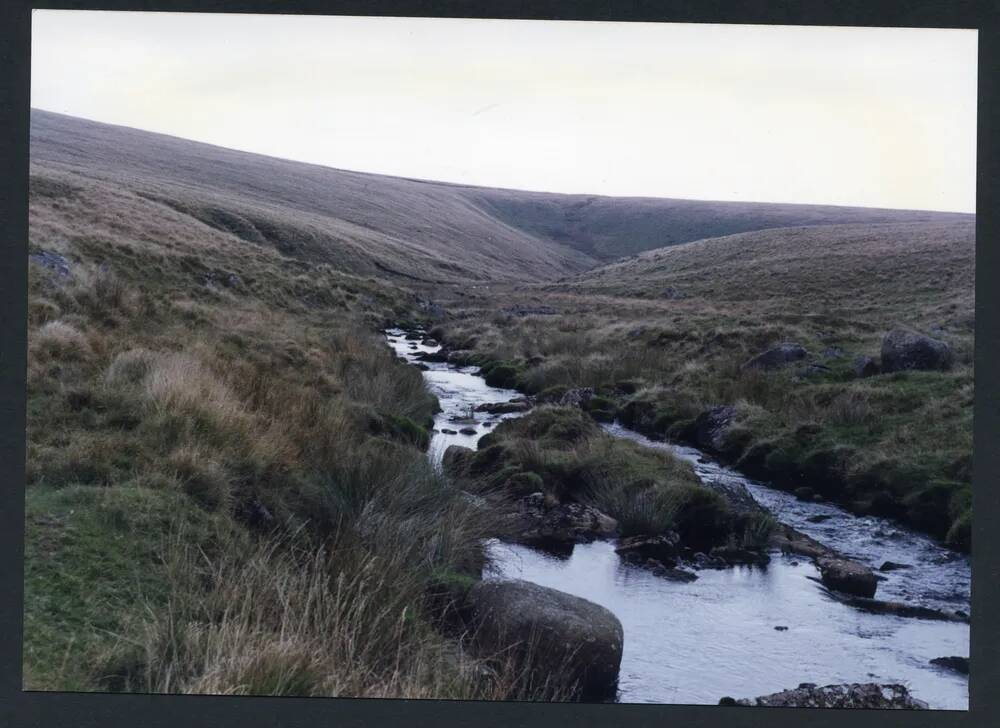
227 489
896 444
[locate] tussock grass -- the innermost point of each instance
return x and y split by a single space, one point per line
889 444
286 530
287 620
562 450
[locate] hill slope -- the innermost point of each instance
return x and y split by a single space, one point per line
894 269
377 225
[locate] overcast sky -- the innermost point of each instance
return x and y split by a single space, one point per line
855 116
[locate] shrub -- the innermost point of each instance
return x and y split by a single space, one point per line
59 340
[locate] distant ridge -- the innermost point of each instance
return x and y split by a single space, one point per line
412 229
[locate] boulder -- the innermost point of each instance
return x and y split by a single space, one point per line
711 427
893 566
457 459
865 366
639 549
900 609
576 397
847 576
903 350
775 358
958 664
670 572
559 635
704 561
787 540
434 357
819 518
735 556
854 695
468 431
542 521
500 408
52 261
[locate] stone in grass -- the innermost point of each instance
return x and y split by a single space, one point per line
865 366
903 349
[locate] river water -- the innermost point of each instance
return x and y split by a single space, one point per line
699 641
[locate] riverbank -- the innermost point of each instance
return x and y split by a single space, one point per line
745 623
227 482
821 433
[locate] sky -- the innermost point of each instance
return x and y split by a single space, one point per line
877 117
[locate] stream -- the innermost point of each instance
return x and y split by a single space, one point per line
718 636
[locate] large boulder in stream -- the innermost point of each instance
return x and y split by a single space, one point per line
557 634
847 576
456 459
903 349
853 695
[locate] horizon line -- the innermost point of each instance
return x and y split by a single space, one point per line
424 180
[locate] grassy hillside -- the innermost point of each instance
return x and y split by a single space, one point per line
608 228
227 484
406 229
662 337
366 224
228 488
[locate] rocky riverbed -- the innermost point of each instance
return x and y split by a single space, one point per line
750 630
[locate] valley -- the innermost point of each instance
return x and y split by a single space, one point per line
234 485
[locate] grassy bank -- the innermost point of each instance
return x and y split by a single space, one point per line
562 453
227 483
661 338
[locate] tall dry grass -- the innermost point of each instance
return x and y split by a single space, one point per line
289 619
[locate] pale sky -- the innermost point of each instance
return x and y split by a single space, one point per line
881 117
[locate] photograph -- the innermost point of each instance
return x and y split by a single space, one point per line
483 359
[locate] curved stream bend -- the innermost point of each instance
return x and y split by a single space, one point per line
697 642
